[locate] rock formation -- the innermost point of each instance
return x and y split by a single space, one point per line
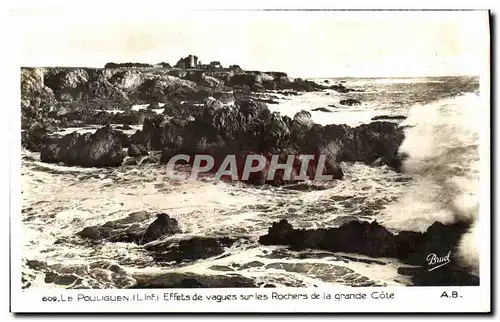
374 240
104 148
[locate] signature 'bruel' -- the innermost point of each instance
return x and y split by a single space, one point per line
432 259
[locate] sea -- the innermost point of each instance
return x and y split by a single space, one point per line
439 182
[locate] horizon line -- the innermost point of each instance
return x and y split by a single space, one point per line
276 71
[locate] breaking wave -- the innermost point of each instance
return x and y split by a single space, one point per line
442 148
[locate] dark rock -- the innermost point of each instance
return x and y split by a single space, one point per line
68 84
373 240
162 226
349 102
136 150
124 127
221 268
251 264
36 264
167 154
130 117
269 286
187 250
370 239
60 279
246 80
321 109
303 117
299 128
80 117
135 228
374 140
298 84
37 100
340 88
388 117
158 133
130 161
34 137
82 84
96 233
365 143
154 105
101 149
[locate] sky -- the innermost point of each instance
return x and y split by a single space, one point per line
303 44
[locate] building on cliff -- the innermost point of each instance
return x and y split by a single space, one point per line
190 61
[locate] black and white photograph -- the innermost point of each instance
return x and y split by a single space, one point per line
290 151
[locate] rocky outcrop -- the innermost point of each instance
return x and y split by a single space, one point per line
254 81
341 88
188 249
101 149
222 126
321 109
137 150
100 87
135 228
388 117
125 127
37 100
374 240
162 226
34 137
365 143
249 127
68 84
370 239
349 102
298 84
139 228
154 105
84 91
83 85
218 129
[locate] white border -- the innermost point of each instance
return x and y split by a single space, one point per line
12 101
405 299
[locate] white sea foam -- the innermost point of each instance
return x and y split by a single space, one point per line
92 128
58 201
338 114
145 106
442 148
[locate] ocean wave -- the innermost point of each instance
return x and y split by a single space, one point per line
442 145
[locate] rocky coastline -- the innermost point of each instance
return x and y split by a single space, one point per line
203 112
216 112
